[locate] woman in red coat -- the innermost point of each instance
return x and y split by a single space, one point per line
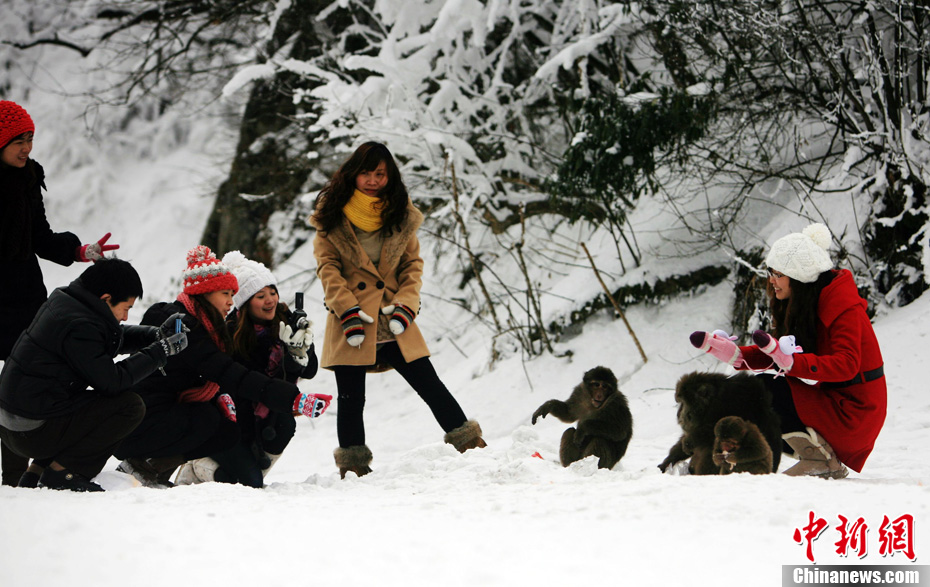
821 334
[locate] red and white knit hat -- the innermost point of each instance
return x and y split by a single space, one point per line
14 121
206 273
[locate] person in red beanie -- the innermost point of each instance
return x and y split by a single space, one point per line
25 235
191 407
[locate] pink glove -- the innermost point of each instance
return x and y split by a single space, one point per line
227 406
94 251
781 350
720 345
311 405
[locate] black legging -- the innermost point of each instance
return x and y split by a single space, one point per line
420 374
783 405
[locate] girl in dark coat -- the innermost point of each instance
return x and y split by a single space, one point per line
191 408
264 341
821 333
25 236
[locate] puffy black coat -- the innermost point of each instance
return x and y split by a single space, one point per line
70 347
24 234
203 361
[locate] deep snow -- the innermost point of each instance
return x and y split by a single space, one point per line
427 515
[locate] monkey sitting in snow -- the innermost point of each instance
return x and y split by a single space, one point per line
739 447
605 424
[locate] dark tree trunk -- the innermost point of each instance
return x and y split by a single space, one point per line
270 166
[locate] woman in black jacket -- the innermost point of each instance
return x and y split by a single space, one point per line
63 400
263 340
191 408
25 236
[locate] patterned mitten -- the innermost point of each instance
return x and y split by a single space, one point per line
781 351
353 325
227 406
297 342
720 345
311 405
401 317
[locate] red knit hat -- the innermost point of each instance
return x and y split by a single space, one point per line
14 121
206 273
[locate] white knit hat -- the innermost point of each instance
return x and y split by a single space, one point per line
252 276
802 255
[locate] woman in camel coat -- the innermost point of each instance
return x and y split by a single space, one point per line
368 259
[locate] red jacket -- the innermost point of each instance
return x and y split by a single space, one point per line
849 417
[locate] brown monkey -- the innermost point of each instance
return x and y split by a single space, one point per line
739 447
605 424
705 398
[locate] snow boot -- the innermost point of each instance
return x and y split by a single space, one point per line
65 479
200 470
815 456
465 437
353 459
29 479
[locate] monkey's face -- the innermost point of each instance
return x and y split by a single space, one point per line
729 445
599 391
600 383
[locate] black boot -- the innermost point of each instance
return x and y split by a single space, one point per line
29 479
65 479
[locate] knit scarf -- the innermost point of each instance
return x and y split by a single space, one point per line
208 390
364 211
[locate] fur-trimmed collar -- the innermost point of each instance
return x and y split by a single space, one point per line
344 240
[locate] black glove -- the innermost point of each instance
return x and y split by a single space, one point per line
169 326
174 344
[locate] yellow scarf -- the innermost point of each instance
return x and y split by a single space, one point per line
364 211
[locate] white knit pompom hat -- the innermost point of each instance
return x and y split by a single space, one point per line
252 276
802 255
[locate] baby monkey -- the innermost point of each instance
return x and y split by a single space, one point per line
739 447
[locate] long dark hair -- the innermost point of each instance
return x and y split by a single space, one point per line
244 339
18 188
336 193
798 314
216 319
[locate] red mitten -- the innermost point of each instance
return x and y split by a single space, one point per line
94 251
227 406
311 405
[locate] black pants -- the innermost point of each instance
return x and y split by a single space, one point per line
13 465
192 430
83 440
783 404
243 463
420 374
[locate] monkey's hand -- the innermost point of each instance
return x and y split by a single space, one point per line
542 411
581 435
721 457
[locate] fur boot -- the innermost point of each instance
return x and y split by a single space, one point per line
815 456
465 437
354 459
